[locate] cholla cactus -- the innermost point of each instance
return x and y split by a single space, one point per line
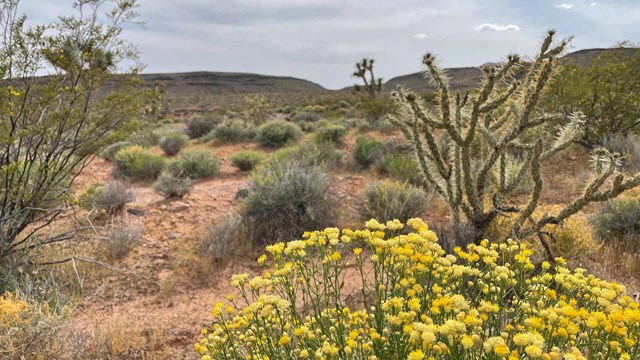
498 118
364 71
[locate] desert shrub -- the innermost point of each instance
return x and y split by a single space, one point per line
110 151
307 126
410 300
374 109
200 126
246 160
277 133
172 142
171 186
145 138
383 126
367 151
571 240
231 132
354 123
618 221
401 166
24 322
332 133
309 154
628 146
287 196
195 164
122 236
344 104
387 200
137 163
226 237
113 196
305 116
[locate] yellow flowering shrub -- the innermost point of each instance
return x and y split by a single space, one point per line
416 302
23 323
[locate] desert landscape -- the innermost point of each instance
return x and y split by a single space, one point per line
485 212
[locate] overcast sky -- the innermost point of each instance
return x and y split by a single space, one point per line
320 40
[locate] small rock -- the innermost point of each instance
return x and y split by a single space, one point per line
172 236
179 206
136 212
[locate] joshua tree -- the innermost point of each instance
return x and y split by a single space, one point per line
468 138
364 71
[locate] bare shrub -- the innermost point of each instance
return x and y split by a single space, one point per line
122 236
113 197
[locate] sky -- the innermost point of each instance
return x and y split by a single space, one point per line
320 40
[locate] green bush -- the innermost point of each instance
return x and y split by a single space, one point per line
332 133
110 152
375 109
195 164
231 132
308 126
246 160
287 198
277 133
172 142
200 126
386 200
367 151
171 186
137 163
305 116
401 166
618 221
144 138
309 154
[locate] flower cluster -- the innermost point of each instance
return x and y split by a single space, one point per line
416 302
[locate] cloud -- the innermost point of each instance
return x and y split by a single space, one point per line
593 4
564 6
496 27
419 36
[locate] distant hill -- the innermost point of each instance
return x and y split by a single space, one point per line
470 77
213 83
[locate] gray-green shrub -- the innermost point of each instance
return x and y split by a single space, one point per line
277 133
310 154
246 160
195 164
113 196
231 132
171 186
145 138
332 133
137 163
110 151
401 166
618 221
386 200
172 142
305 116
367 151
200 126
287 198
